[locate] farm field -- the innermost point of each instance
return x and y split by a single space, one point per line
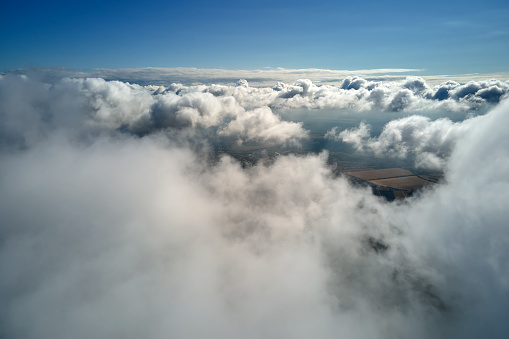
409 183
392 183
381 173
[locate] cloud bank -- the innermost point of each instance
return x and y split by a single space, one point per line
31 109
265 77
355 93
412 94
113 234
190 75
231 110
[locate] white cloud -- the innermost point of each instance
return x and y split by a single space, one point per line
30 110
265 77
430 142
261 124
299 91
124 236
411 94
355 136
192 109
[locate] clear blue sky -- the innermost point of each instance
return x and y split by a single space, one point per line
443 37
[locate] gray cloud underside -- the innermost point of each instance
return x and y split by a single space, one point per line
115 235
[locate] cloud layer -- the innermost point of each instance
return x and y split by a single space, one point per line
265 77
31 109
113 234
229 110
412 94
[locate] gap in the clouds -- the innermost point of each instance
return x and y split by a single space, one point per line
343 155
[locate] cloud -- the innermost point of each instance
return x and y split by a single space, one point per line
262 77
411 94
192 109
430 142
125 235
355 136
262 125
265 77
31 109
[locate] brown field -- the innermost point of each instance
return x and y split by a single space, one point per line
381 174
404 183
432 178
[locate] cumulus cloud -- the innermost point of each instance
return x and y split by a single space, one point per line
411 94
355 136
119 103
192 109
129 236
430 142
30 109
262 124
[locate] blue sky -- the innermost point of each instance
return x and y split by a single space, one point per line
442 37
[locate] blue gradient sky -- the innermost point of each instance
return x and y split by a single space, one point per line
442 37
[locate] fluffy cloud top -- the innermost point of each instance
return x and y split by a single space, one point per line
30 109
411 94
262 124
430 142
118 235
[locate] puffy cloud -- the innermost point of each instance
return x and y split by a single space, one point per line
262 125
117 104
353 83
430 142
416 85
441 92
29 109
139 236
192 109
122 235
411 94
111 104
355 136
489 90
477 165
242 83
